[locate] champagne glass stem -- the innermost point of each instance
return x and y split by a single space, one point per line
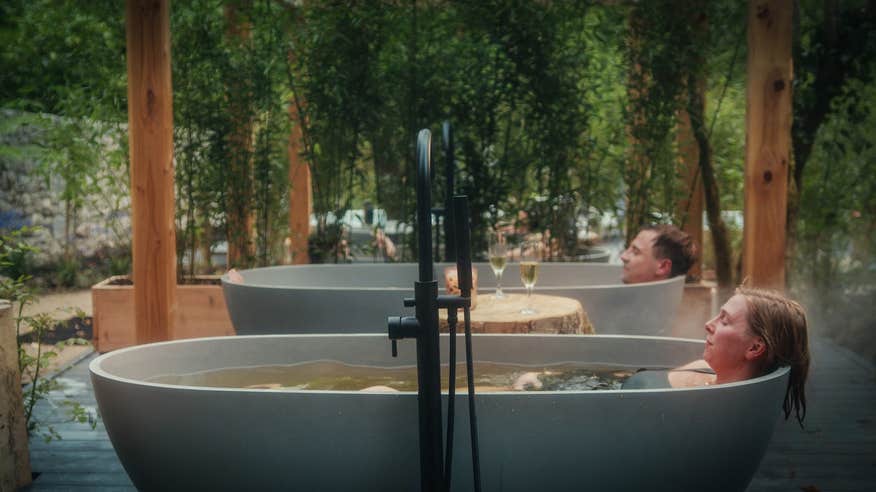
499 293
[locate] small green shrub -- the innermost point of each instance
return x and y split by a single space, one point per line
32 367
66 273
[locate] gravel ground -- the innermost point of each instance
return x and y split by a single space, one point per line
61 304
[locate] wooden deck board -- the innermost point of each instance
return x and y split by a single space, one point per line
835 452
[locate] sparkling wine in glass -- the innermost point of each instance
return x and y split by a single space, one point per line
498 259
529 272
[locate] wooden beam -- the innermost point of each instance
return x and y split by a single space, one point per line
150 133
767 141
300 192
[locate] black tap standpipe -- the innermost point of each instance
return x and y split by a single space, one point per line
425 329
449 169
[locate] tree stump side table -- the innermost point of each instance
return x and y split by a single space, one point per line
554 315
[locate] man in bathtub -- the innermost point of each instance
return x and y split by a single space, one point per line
658 252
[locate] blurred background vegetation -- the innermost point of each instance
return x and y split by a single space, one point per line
566 111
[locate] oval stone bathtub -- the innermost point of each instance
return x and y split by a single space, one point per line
320 298
198 438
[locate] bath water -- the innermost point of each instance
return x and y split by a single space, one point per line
337 376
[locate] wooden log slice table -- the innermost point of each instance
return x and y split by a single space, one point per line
554 315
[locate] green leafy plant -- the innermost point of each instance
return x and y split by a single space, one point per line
32 366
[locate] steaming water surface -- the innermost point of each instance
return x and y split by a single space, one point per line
337 376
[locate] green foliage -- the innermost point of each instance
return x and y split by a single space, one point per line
63 57
14 262
560 109
342 82
837 229
63 86
509 76
230 125
31 367
833 266
836 42
536 93
660 54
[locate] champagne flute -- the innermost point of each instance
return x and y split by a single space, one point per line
529 256
498 259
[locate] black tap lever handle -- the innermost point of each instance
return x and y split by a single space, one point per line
403 327
453 302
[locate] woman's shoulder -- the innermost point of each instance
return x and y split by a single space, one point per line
696 373
697 364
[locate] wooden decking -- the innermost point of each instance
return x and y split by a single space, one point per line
83 459
836 452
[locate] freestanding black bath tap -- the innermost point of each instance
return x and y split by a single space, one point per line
424 328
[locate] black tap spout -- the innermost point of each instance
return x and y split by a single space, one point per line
424 203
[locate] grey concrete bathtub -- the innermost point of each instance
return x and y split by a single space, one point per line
196 438
357 298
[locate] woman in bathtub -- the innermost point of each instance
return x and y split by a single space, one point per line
755 332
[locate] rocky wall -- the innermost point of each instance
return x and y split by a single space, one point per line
30 195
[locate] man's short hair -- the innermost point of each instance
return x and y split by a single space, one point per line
671 243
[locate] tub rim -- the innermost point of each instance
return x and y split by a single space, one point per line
225 280
96 370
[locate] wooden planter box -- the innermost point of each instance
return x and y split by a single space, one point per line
200 312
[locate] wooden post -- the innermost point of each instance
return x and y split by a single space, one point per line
14 456
300 191
767 141
150 130
690 206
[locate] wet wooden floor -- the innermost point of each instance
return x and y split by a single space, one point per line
836 451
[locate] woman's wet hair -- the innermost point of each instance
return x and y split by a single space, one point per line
781 324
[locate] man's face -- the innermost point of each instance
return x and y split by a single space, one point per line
640 264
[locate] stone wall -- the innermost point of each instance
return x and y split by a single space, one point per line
32 196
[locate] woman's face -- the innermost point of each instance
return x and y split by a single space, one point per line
728 338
